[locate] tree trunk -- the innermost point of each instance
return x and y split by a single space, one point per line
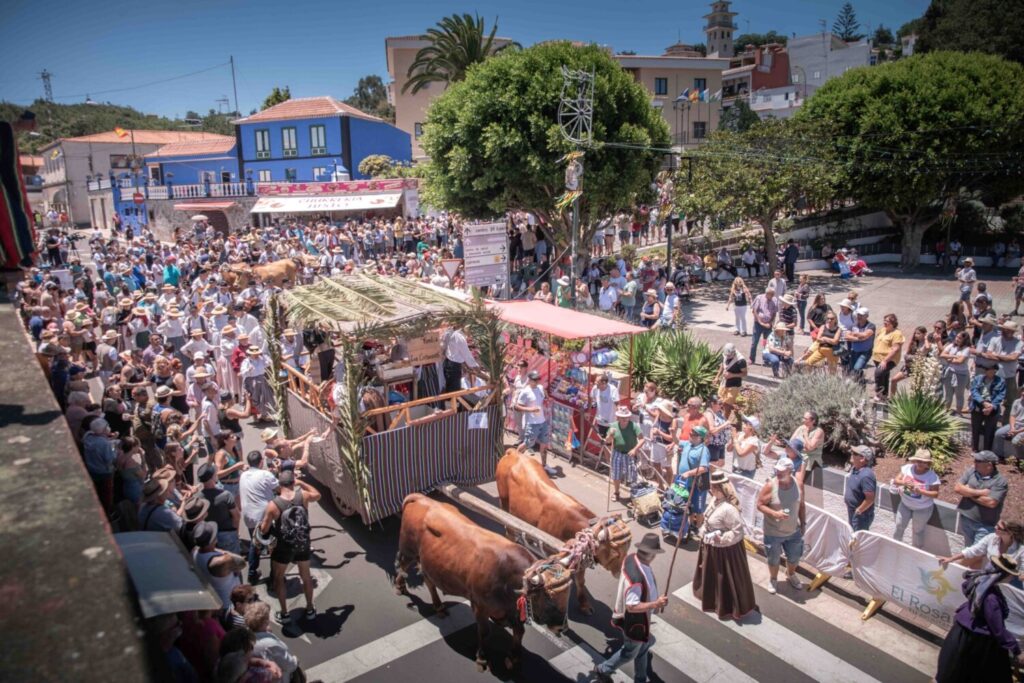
770 247
910 256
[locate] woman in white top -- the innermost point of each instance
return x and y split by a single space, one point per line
722 579
1008 539
919 489
745 447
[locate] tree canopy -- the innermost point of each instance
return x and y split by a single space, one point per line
456 43
883 36
371 96
907 135
755 175
495 144
991 26
758 39
846 27
277 96
738 117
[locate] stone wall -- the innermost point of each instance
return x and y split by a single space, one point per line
166 218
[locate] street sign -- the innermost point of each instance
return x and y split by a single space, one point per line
450 267
485 251
138 198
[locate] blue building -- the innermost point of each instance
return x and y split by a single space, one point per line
314 138
187 163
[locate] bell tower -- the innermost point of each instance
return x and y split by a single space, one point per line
719 29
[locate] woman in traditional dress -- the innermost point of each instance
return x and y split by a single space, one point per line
722 580
979 646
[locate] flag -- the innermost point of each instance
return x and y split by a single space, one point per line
121 132
683 96
55 153
717 96
695 96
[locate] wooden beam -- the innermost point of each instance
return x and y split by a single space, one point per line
545 542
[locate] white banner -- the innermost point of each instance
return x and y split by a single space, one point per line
826 541
1015 601
896 572
747 490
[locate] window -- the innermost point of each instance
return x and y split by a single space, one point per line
263 144
700 129
700 83
263 175
290 175
317 140
206 176
817 75
796 77
417 129
319 171
154 174
660 86
289 148
225 176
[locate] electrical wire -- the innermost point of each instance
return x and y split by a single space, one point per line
143 85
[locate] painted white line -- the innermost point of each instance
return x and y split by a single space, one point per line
387 649
915 652
798 652
687 655
580 661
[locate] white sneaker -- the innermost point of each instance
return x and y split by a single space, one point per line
773 586
795 581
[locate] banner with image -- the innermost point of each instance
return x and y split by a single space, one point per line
896 572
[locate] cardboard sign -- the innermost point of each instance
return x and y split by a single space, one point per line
424 350
451 266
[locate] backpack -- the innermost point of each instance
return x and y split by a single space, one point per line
293 525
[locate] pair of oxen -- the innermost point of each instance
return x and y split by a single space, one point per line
503 582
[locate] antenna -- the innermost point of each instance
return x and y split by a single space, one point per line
45 76
222 102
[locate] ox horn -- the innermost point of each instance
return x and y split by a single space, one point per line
535 579
564 561
602 535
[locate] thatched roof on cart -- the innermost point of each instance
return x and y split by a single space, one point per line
369 305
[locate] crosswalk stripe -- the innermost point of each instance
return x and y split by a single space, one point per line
577 663
386 649
692 658
788 646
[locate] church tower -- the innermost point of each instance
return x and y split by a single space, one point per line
719 29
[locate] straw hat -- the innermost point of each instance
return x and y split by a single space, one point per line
228 329
1006 564
253 351
139 310
109 336
156 487
163 391
198 332
921 455
788 299
1009 325
219 309
623 413
173 313
150 296
269 434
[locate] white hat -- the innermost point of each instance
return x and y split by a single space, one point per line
862 311
563 281
623 412
783 465
729 349
846 303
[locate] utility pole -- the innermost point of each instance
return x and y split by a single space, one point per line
45 76
234 86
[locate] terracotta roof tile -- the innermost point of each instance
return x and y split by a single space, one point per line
30 160
146 137
307 108
221 144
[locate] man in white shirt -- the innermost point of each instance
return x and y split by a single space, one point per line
209 414
536 429
256 488
966 277
778 283
456 353
604 396
635 601
608 295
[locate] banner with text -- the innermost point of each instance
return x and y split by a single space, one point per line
896 572
485 254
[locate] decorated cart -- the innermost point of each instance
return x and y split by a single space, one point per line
391 433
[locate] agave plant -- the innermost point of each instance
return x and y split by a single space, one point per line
920 420
640 348
684 366
840 404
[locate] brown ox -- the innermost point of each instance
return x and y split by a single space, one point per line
460 558
527 492
275 273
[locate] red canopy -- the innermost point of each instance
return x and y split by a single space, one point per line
561 322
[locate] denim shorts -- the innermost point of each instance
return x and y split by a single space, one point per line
793 546
537 433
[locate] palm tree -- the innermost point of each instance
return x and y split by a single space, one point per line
456 43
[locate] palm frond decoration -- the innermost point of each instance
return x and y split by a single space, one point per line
276 378
351 427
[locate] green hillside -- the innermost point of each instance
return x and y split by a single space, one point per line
70 120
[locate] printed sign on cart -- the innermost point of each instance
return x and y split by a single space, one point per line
485 254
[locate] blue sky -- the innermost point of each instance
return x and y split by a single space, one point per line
322 47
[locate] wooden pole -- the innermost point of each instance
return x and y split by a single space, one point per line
679 540
545 542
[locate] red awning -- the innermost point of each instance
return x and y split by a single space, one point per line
561 322
204 206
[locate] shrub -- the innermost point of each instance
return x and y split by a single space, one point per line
919 420
840 404
681 365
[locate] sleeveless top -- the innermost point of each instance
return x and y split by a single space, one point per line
688 424
783 499
179 403
739 298
228 424
223 585
235 476
811 456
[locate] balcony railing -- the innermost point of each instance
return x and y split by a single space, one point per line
157 192
245 189
96 185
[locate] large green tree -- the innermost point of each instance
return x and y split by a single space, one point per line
738 117
754 176
992 26
846 27
277 96
907 135
495 144
758 39
371 96
456 43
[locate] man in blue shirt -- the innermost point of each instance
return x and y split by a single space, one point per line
692 465
988 390
861 339
861 486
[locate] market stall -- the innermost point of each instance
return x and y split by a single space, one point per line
571 350
393 432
